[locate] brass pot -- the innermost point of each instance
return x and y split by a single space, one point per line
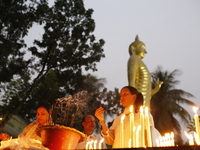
56 137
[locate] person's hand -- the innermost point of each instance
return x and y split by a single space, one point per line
4 136
99 113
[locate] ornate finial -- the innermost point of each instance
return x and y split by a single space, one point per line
137 38
135 44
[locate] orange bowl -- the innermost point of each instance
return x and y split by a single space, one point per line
56 137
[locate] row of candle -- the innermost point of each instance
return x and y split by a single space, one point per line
196 120
166 140
94 144
190 137
137 134
197 133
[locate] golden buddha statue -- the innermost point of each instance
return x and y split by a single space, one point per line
138 74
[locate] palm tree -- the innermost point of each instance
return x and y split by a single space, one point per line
165 105
191 127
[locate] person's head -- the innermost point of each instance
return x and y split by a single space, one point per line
88 124
43 113
138 48
130 96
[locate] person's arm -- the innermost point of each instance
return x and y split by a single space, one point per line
106 133
99 113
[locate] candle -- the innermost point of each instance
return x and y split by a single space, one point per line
142 141
134 130
161 141
195 136
149 142
129 143
122 131
100 143
87 145
91 142
191 142
190 138
131 116
157 143
164 141
168 139
167 136
137 139
95 144
172 138
196 119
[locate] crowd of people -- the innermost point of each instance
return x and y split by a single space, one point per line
128 96
137 93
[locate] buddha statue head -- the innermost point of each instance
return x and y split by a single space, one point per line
137 47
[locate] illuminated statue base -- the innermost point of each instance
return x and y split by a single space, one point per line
60 137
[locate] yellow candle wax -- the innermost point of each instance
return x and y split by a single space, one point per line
100 143
131 118
157 143
172 138
122 131
87 145
191 142
129 143
95 144
137 139
134 131
142 141
196 119
91 143
149 141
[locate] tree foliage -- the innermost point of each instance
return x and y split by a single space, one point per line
16 18
165 105
56 63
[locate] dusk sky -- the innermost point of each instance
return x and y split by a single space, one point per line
169 28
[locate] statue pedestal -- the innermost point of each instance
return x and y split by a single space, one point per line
60 137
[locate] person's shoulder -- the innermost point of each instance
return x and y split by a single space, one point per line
32 123
117 119
97 136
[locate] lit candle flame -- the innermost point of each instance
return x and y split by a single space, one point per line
195 109
146 110
138 128
131 108
141 109
122 118
101 141
172 134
